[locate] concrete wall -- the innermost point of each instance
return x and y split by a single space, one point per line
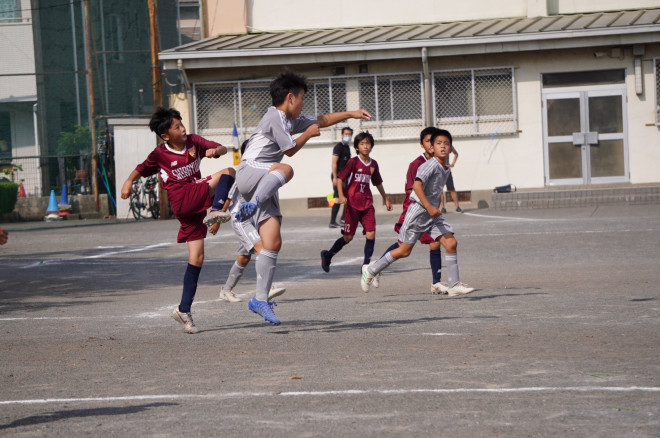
133 142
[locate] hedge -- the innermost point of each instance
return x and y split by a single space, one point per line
8 196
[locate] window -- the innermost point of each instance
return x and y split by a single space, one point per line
10 11
395 102
656 65
392 99
5 134
323 98
189 22
476 101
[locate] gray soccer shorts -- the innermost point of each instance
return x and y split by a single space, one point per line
248 175
418 221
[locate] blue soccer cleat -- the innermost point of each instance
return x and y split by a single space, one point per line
265 309
246 210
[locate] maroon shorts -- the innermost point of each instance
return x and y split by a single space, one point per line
189 205
426 239
352 217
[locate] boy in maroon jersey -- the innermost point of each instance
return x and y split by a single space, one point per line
435 255
177 160
358 172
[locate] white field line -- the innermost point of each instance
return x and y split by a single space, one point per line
540 389
96 256
511 218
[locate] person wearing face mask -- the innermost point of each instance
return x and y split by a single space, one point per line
341 153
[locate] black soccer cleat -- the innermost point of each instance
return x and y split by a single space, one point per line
325 261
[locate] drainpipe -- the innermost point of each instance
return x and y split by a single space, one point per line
428 113
186 84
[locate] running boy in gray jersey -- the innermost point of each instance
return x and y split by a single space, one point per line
423 216
261 173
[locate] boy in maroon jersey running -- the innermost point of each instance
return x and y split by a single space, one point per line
358 172
177 160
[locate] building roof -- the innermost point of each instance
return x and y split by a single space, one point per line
440 39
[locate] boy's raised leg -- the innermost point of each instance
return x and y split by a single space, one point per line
218 213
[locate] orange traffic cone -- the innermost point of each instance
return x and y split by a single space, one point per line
21 191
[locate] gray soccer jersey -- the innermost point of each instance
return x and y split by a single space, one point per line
273 136
433 177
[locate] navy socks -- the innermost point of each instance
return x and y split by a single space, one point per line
189 287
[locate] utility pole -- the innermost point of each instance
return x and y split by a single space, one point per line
90 102
157 84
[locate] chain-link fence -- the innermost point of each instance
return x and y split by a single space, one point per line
40 175
475 101
466 102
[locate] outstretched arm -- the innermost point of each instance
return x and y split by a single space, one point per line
312 131
333 118
219 151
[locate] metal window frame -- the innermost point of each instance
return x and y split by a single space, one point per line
475 118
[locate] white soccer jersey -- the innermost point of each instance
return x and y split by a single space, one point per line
273 136
433 176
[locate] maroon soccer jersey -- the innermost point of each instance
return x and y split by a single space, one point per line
178 169
358 175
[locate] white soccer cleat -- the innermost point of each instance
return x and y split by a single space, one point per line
459 289
228 295
275 291
366 279
439 288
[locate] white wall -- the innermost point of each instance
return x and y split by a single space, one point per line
133 142
17 45
314 14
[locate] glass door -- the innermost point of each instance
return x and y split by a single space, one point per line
584 131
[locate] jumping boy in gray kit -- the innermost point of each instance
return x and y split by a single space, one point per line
261 174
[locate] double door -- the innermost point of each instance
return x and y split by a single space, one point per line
584 132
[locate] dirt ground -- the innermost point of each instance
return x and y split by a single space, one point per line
562 337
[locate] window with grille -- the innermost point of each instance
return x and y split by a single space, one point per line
656 67
475 101
392 99
10 11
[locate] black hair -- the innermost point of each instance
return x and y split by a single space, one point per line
162 119
285 83
441 132
361 136
244 145
426 131
347 128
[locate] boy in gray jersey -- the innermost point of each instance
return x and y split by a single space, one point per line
423 216
261 173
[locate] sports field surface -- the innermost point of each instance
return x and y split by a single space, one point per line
561 338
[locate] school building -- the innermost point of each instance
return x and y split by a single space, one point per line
542 94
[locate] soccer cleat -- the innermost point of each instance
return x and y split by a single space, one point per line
228 295
459 210
376 281
334 225
367 279
216 217
459 289
325 261
439 288
443 210
275 291
265 309
186 320
247 210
